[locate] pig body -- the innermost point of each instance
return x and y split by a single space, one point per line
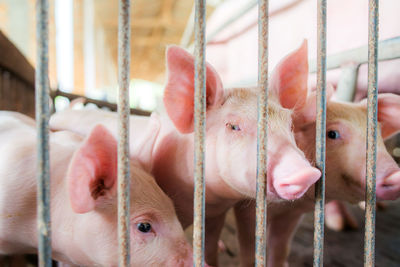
345 168
83 201
231 141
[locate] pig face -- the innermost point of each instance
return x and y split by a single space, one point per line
157 237
156 232
346 149
231 129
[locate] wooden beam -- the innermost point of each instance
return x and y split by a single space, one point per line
12 60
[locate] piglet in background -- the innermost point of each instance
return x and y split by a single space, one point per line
231 141
83 200
345 167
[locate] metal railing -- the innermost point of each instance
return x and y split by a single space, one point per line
262 137
124 61
372 122
199 132
320 143
42 116
42 122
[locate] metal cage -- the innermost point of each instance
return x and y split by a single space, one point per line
42 116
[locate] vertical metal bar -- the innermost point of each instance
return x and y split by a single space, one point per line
199 132
124 58
42 119
320 136
261 195
347 84
370 197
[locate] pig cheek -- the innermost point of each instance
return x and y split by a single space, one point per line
345 172
141 239
236 159
183 254
145 247
346 158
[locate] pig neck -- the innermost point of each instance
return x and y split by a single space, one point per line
173 168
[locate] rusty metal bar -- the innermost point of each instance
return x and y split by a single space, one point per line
320 137
233 18
387 50
199 132
99 103
42 125
347 84
370 197
124 59
261 193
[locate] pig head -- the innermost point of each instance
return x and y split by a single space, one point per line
346 146
156 234
231 126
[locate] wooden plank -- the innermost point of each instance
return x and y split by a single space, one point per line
12 60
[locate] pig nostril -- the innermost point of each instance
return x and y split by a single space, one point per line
295 185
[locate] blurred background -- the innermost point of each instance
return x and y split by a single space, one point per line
83 43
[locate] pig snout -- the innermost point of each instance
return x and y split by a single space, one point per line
388 188
293 175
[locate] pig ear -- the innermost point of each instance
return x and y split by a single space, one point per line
146 145
308 112
289 78
179 91
92 173
388 114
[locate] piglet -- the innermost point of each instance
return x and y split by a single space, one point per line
231 140
345 164
83 200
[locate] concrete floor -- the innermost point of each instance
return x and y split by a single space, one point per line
342 249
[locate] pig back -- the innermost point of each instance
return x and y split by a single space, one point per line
18 163
17 173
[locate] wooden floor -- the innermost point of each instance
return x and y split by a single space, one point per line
341 248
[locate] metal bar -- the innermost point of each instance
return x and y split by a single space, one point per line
199 132
230 20
276 9
42 124
320 137
261 193
370 197
347 84
242 11
100 103
388 49
124 58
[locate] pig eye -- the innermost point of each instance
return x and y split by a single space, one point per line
333 134
144 227
233 127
